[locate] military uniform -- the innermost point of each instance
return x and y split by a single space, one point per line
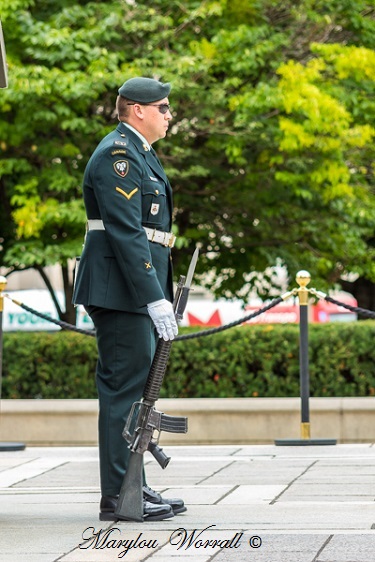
121 270
125 186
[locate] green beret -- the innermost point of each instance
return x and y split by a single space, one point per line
144 90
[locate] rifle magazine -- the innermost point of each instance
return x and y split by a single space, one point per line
173 424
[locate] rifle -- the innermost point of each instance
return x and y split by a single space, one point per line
144 423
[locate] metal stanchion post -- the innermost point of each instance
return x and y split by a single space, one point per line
303 279
5 446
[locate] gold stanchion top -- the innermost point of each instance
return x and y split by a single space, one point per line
303 278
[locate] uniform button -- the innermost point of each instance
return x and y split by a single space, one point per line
157 191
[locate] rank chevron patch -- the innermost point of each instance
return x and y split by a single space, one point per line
127 195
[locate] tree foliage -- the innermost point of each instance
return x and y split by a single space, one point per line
270 153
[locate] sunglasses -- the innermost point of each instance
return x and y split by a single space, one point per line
163 107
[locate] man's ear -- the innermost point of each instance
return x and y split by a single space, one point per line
3 62
138 111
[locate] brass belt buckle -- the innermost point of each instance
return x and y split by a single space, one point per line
172 240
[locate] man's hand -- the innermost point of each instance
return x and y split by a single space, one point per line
163 317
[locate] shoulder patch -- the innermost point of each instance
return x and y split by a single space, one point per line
121 143
118 151
121 167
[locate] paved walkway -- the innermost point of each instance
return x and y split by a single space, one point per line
260 503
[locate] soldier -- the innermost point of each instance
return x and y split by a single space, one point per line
124 279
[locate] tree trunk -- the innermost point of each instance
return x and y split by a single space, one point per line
70 312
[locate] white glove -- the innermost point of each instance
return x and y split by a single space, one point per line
163 317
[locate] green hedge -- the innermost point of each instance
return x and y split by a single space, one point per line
246 361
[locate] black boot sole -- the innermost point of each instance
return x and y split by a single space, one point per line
110 516
180 510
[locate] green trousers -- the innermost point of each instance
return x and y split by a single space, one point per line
126 345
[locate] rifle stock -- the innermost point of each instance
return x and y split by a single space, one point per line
144 421
130 501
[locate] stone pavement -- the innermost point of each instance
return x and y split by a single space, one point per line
260 503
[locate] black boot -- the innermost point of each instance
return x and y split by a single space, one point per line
151 496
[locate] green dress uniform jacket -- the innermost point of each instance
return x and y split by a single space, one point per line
126 187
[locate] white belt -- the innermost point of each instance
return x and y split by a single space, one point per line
95 224
164 238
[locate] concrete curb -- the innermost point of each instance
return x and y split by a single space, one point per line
212 421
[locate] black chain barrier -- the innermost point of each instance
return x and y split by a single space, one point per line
71 327
63 325
361 311
272 304
232 324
